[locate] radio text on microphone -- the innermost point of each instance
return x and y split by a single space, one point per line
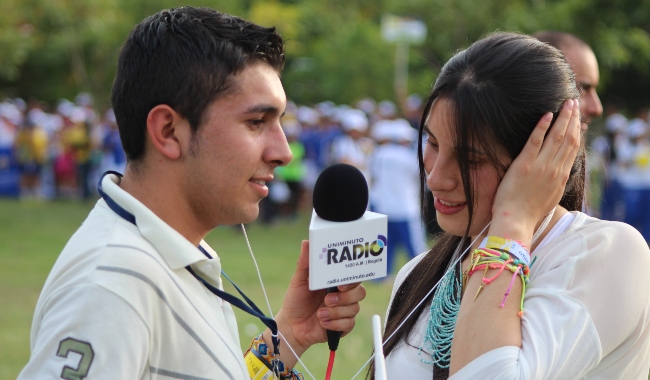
354 249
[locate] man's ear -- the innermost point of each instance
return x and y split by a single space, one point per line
167 130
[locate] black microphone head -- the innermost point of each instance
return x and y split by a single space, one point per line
341 193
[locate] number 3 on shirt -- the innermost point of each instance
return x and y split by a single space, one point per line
82 348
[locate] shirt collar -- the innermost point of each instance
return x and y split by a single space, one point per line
175 249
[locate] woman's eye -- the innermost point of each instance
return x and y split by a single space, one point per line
433 143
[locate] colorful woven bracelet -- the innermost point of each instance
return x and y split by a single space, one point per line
485 259
262 363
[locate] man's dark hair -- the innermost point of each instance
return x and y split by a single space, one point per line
184 58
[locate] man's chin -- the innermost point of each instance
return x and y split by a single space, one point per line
251 215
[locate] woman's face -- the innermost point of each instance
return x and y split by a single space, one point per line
444 178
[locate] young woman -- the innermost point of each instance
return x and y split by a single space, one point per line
496 169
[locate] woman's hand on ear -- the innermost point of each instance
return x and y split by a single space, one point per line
534 183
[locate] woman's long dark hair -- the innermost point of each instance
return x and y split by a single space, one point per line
499 89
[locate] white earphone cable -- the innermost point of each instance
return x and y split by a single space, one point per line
259 275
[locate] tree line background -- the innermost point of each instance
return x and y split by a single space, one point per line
52 49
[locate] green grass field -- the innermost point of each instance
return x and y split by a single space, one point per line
33 234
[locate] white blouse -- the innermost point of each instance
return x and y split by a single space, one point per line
587 311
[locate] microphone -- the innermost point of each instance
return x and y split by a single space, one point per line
347 244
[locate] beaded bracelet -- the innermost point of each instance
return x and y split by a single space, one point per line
485 259
262 363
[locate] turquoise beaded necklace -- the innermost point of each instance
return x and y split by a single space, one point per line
445 305
443 313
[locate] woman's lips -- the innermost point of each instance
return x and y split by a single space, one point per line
449 208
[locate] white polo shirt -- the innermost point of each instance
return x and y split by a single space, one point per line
119 304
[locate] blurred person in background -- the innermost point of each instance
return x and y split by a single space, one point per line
10 119
113 156
395 188
31 151
65 170
413 110
293 174
78 138
51 124
314 141
634 156
584 64
96 130
354 148
606 147
386 110
367 105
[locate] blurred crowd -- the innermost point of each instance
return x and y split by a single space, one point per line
371 136
621 159
56 153
60 152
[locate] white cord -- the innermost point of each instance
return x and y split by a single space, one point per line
542 227
257 268
259 275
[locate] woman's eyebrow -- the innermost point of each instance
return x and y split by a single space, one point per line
458 148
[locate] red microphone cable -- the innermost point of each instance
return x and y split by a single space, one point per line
330 365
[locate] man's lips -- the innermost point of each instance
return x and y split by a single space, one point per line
259 183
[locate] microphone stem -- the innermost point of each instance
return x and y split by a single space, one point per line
333 337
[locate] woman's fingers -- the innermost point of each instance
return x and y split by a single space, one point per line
536 139
556 135
571 140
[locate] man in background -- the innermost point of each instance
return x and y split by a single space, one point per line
585 66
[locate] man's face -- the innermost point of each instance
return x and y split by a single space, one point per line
584 65
236 148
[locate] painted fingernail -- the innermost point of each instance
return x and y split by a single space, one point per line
323 313
331 299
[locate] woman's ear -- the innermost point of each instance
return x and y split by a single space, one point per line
167 130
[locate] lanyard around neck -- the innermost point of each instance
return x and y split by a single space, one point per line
249 307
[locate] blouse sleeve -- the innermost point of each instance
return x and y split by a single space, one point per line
587 306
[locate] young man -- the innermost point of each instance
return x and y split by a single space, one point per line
585 66
198 101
